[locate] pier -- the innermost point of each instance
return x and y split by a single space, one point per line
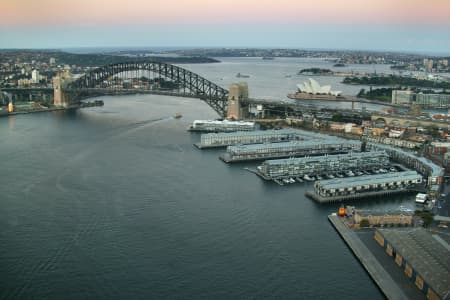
381 277
363 195
332 145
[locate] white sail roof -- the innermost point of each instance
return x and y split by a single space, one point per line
313 87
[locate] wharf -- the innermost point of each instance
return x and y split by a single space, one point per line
200 146
320 199
381 277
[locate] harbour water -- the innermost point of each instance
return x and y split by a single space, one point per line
115 202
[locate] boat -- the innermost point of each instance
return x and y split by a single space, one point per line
421 198
268 57
239 75
309 178
291 180
285 180
177 116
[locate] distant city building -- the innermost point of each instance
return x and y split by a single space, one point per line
52 61
428 64
402 97
35 77
25 82
433 100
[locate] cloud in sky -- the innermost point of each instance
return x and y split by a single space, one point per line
414 25
110 12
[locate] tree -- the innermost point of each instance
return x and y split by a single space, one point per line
336 117
364 223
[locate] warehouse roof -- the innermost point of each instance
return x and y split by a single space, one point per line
425 254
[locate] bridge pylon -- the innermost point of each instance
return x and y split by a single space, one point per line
60 81
238 92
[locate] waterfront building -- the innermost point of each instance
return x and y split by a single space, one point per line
402 97
423 257
433 100
289 149
392 141
400 181
433 172
35 76
379 218
223 139
299 167
222 126
406 97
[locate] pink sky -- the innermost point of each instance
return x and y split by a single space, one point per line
110 12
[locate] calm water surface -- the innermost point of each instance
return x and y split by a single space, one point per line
116 203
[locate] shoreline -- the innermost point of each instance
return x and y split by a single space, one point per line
42 110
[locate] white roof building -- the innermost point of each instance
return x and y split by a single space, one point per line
313 87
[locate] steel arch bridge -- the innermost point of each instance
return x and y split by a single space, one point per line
197 86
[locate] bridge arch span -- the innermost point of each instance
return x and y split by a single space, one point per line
199 87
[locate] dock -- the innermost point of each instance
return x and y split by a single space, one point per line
379 275
384 193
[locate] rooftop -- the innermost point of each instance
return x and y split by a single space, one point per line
293 144
297 160
257 132
426 254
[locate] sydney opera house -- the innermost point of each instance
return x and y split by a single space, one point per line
313 87
311 90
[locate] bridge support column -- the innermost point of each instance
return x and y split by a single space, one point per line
238 93
60 98
59 82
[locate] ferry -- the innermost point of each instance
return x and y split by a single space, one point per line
177 116
421 198
239 75
222 126
309 178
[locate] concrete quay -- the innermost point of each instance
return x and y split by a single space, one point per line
381 277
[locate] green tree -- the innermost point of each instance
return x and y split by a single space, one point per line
364 223
336 117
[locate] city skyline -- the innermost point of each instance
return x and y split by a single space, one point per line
401 25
